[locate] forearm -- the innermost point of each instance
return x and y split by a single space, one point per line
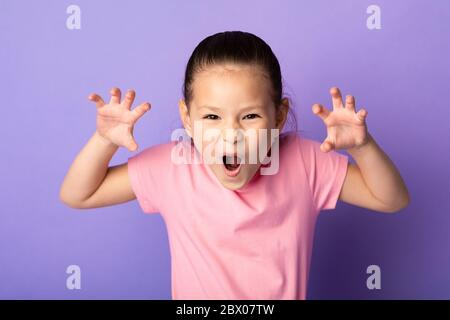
380 174
88 170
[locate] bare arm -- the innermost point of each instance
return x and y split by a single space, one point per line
90 182
374 182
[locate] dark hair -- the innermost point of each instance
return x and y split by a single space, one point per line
236 47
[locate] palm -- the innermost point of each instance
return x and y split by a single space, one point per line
116 120
346 128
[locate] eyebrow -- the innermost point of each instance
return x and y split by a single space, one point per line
243 109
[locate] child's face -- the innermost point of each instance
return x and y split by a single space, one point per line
230 101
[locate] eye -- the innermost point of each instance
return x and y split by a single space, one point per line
208 116
252 116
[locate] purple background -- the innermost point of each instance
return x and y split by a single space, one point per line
400 74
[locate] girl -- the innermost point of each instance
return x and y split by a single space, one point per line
234 232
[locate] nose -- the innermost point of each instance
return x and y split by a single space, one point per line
232 134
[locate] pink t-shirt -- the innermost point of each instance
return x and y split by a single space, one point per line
252 243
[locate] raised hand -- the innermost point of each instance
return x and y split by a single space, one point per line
116 120
346 128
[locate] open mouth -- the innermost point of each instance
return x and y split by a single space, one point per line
232 164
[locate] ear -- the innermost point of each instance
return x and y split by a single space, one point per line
282 112
185 118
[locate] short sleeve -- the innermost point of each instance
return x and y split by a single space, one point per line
145 171
326 173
